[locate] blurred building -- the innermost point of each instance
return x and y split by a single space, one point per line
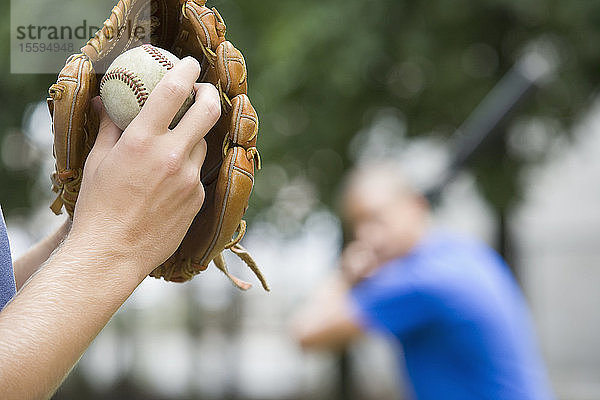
557 232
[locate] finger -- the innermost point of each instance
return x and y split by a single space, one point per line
108 132
201 116
198 153
168 96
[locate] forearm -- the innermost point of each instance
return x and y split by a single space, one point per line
140 191
49 324
28 263
327 320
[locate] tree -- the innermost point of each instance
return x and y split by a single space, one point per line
320 72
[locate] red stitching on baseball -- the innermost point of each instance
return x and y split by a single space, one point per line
131 80
158 56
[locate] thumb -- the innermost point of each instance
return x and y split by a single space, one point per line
108 132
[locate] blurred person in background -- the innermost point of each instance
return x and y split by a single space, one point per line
450 301
132 213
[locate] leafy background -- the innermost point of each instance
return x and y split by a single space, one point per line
321 72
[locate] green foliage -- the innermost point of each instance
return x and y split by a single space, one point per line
320 71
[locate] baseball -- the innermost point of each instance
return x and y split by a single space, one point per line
130 79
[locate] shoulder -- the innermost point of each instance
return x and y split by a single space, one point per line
442 266
398 279
462 271
442 250
448 264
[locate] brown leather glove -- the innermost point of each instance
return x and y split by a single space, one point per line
184 28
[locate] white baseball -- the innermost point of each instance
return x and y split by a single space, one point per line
131 77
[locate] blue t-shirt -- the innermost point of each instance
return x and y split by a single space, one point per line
7 277
462 321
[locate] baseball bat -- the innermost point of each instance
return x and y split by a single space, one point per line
532 70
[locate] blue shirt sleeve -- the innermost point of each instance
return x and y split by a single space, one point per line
392 301
7 277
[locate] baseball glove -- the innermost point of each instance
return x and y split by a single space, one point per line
184 27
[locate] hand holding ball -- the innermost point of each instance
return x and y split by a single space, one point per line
131 77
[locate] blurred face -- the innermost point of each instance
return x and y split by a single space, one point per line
390 223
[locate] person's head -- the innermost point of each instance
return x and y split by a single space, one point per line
383 211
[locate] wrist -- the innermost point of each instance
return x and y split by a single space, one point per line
349 279
104 257
340 280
